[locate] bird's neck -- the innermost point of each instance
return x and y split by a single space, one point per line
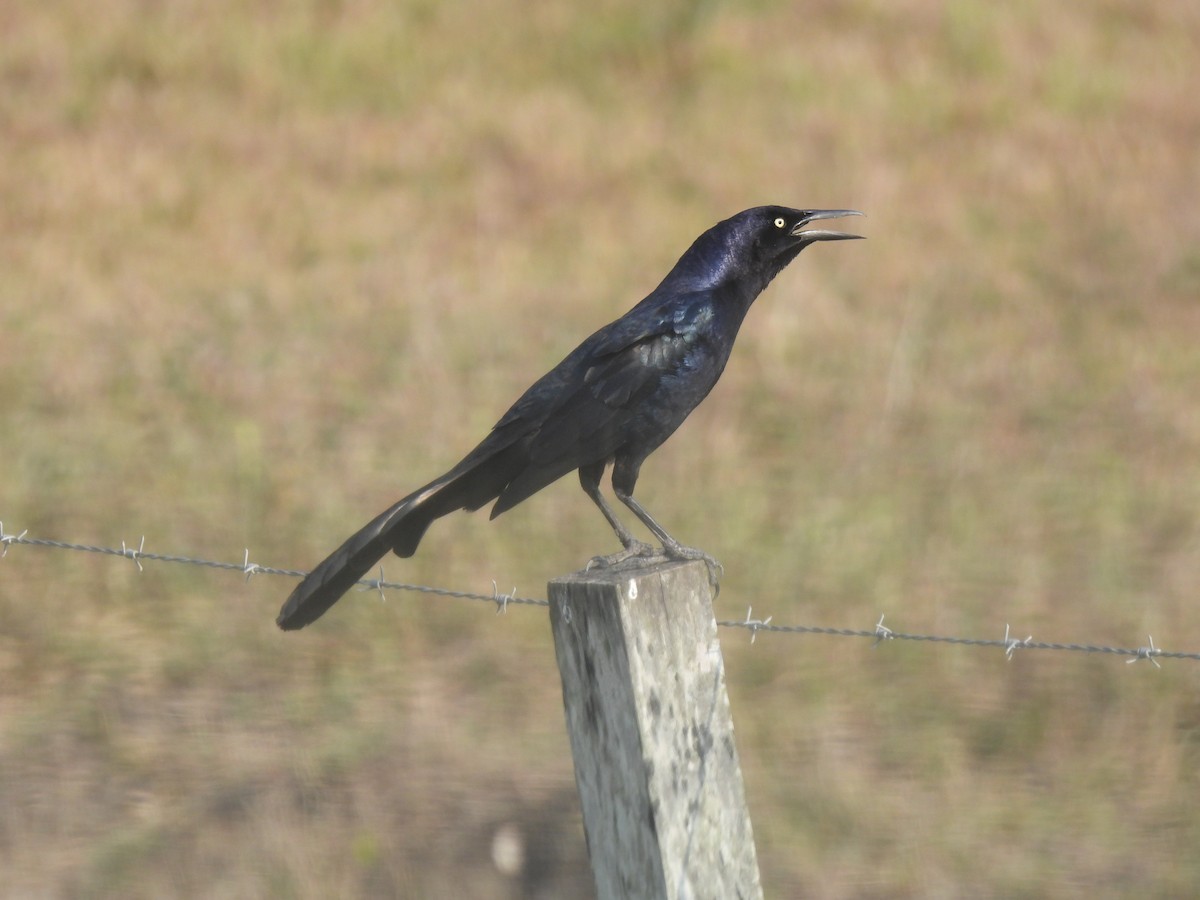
709 266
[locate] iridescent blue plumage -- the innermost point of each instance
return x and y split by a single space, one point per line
612 400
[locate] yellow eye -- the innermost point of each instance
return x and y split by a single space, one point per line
779 223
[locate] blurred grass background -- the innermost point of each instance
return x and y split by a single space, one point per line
268 265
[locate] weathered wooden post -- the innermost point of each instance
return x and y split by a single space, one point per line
664 808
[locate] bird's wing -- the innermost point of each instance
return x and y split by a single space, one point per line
588 421
580 412
608 390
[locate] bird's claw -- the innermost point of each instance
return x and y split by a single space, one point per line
638 551
678 551
639 554
715 569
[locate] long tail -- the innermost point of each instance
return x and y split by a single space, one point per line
342 569
479 478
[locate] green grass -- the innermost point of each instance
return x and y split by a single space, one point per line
267 266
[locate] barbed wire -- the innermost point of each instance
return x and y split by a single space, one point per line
139 553
879 633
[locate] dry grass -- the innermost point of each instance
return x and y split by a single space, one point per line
267 265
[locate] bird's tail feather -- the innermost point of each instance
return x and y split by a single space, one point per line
325 584
400 528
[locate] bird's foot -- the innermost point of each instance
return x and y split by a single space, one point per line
674 550
638 551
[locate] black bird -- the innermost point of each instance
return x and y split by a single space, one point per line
614 399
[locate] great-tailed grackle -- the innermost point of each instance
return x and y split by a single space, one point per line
614 399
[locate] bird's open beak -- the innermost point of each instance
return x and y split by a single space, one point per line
817 235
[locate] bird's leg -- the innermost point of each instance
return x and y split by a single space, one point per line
589 478
671 548
625 473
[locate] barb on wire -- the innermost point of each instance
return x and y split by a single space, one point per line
135 554
1147 653
1012 645
754 624
878 634
374 584
248 568
501 600
882 632
6 539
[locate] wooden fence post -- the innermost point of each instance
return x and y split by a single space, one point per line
664 808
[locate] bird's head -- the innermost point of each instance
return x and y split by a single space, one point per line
777 231
754 246
777 234
745 252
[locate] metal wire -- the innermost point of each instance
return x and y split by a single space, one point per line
879 633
